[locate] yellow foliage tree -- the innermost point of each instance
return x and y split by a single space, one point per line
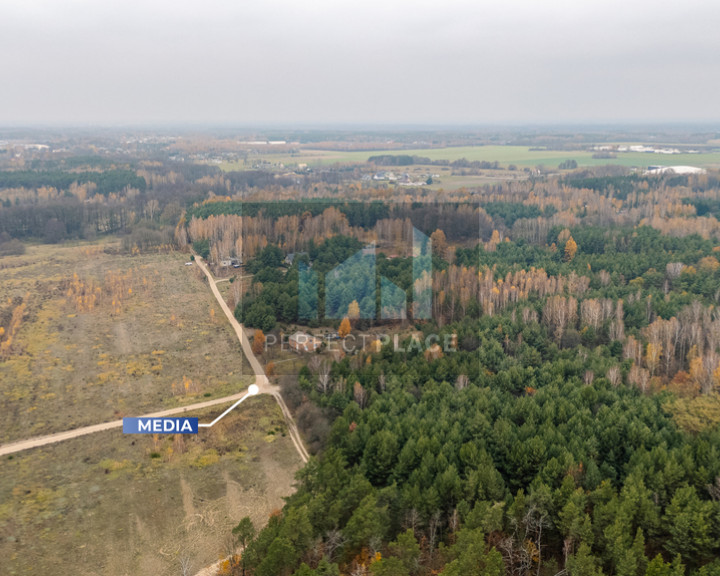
344 329
716 378
354 310
570 249
709 263
652 357
439 243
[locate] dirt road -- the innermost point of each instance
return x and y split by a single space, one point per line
60 436
266 387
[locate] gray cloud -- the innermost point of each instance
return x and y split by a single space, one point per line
404 61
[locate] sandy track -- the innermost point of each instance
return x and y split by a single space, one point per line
266 387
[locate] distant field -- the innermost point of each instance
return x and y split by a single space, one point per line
505 155
105 335
113 505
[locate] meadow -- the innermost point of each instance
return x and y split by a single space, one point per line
521 156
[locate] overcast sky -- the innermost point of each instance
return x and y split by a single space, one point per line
371 61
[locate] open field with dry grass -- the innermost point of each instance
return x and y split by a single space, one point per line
115 505
92 336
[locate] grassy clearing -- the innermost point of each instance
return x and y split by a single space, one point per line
505 155
106 335
112 505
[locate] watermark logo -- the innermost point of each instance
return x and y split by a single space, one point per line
160 425
351 287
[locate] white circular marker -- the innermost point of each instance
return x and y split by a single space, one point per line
253 389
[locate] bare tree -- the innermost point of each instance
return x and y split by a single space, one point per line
433 532
412 520
360 394
462 382
382 382
321 367
324 376
185 566
454 522
535 520
614 375
517 558
334 539
151 208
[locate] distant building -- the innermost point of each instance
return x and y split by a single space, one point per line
304 342
290 258
680 170
234 262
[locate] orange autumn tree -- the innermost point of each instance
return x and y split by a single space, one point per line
344 329
258 342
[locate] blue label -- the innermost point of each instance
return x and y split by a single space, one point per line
160 425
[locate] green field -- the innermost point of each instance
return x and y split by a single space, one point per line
505 155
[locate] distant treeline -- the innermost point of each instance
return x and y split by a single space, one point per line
107 182
63 218
623 185
246 179
704 206
358 213
453 217
620 185
509 212
407 160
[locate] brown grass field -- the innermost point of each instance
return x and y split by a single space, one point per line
97 335
103 336
114 505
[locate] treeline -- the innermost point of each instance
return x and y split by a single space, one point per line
507 213
408 160
233 231
53 205
459 219
398 160
364 214
107 182
66 218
